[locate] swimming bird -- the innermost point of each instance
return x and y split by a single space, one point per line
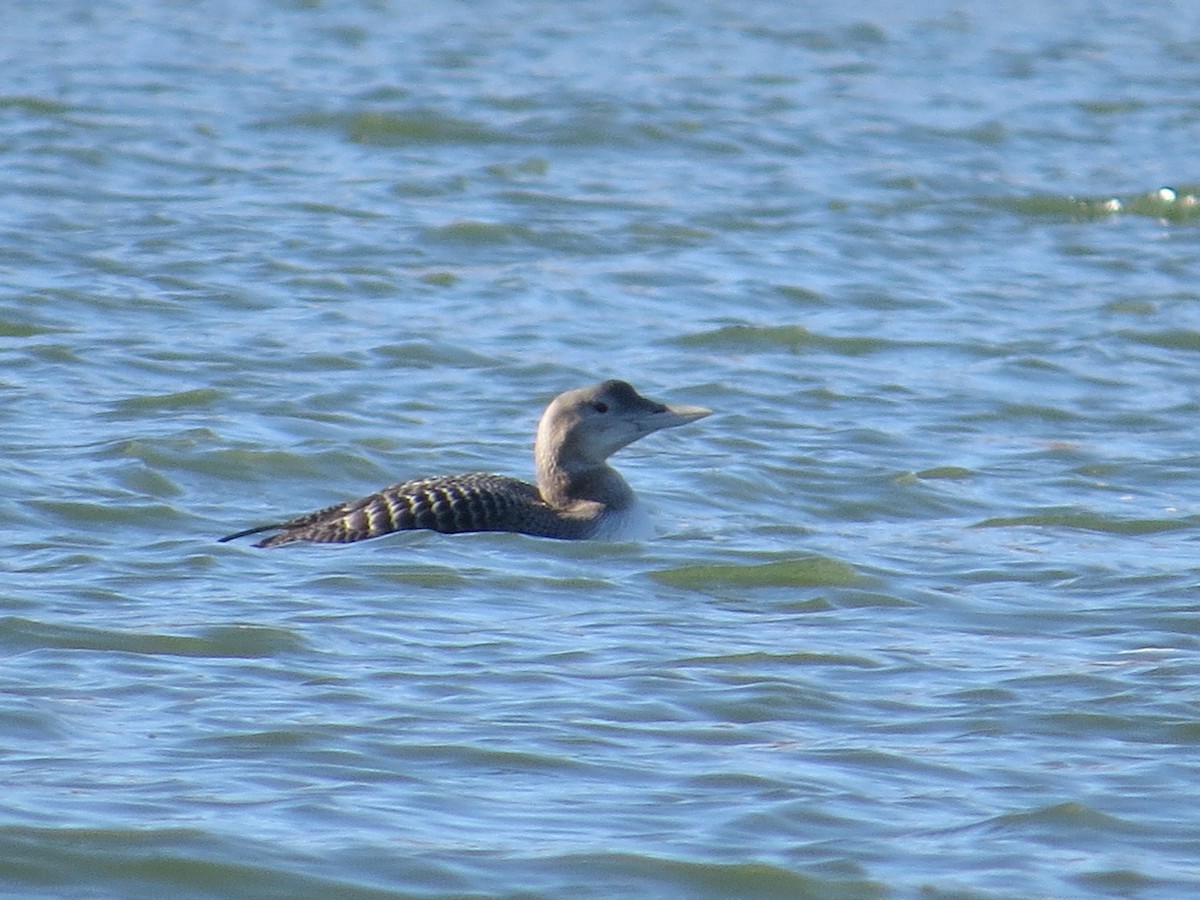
577 495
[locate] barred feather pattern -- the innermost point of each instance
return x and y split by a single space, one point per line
451 504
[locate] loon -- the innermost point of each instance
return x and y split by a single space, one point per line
577 496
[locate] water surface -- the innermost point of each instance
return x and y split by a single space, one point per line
921 612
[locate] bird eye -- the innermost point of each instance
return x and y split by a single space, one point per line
600 406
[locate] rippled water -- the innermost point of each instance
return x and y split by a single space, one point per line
921 618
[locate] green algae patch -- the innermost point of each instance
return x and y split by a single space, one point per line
1089 521
200 398
792 338
226 641
952 473
810 571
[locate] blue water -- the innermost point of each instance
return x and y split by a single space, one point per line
920 618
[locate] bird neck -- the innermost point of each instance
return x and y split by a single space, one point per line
563 486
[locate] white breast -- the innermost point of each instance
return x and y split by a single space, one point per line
631 524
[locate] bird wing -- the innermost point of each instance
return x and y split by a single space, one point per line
451 504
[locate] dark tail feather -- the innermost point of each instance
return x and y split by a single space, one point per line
249 531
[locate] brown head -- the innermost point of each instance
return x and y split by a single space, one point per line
581 429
